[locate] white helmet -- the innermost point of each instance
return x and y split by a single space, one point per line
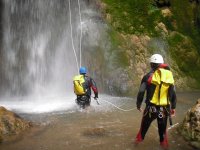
157 59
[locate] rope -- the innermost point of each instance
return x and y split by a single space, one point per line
118 107
70 16
79 6
169 128
173 126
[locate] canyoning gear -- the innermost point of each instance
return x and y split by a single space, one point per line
83 101
150 114
82 87
138 139
160 99
162 79
172 112
96 101
149 87
157 59
83 70
164 144
79 85
96 96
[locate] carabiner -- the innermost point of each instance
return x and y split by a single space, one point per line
160 115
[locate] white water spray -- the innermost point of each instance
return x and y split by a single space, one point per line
38 49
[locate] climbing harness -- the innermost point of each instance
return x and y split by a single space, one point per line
160 113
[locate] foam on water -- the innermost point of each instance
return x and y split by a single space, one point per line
61 103
40 104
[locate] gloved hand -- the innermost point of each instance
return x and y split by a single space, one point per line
96 96
172 112
140 109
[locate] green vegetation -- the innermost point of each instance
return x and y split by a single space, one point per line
184 45
140 17
186 16
133 16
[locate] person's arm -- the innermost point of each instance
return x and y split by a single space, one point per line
172 98
141 93
94 87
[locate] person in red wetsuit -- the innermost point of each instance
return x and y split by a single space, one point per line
160 99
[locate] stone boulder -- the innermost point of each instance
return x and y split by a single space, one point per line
11 124
190 128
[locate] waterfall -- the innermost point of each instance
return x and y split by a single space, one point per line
36 51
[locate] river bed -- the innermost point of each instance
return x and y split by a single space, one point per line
98 127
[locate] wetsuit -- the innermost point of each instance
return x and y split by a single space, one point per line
84 100
152 111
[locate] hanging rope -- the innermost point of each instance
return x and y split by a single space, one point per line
79 6
70 17
118 107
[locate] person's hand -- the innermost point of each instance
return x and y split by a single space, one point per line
172 112
96 96
140 109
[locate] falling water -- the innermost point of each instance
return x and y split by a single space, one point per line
37 58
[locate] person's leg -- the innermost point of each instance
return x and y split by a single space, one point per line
88 101
162 125
81 101
148 117
77 100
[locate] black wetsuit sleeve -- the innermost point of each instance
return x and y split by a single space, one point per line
141 92
172 97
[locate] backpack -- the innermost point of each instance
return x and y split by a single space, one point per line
79 82
163 79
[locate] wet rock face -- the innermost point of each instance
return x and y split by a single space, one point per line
197 1
190 127
163 3
11 124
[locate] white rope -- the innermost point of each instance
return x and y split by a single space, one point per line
70 16
169 128
173 126
118 107
79 6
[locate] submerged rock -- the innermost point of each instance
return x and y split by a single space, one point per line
190 127
11 124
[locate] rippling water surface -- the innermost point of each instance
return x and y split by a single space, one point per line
62 125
